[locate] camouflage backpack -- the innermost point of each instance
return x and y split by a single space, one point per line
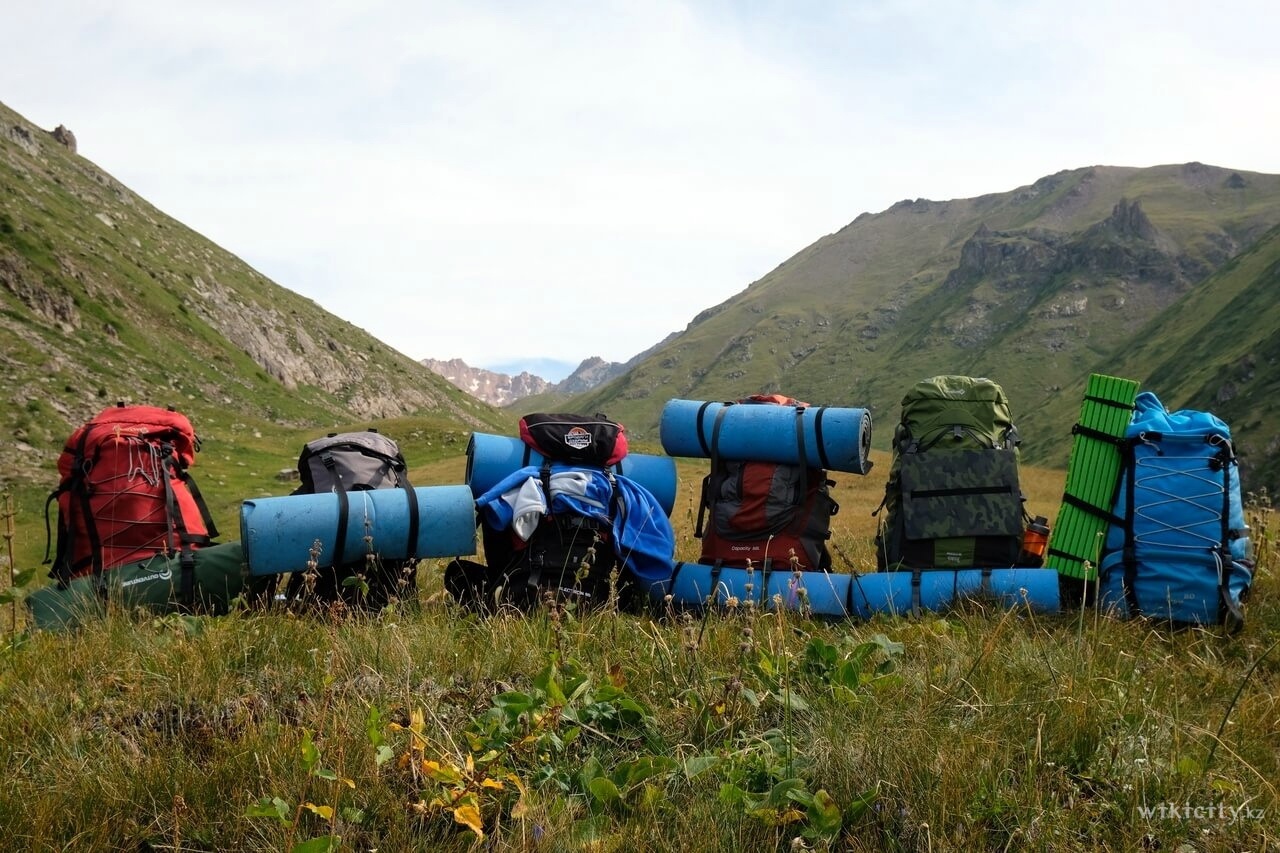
953 499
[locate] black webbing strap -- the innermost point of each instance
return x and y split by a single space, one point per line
702 442
916 579
210 528
1115 404
716 568
1097 512
174 521
411 498
675 573
1097 435
1229 612
711 485
340 540
817 437
1130 544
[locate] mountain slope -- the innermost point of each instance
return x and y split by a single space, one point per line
1218 349
1035 288
105 298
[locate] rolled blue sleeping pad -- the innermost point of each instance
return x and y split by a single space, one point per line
891 592
861 596
692 583
838 439
490 458
277 533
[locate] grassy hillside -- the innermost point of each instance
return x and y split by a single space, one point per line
105 298
1036 288
1215 349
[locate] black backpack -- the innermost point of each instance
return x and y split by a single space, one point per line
569 556
349 462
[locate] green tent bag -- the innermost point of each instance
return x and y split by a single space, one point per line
154 584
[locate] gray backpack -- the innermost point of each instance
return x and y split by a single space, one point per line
349 462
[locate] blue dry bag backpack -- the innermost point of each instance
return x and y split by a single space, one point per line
1177 548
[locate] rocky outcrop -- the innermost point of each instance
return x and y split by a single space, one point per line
55 306
496 389
590 373
63 134
500 389
1004 255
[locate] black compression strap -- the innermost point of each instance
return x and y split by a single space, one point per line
716 568
1063 555
802 455
1098 435
817 436
1115 404
1130 547
344 506
1097 512
702 442
411 497
211 529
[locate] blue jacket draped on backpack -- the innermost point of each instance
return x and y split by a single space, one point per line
642 533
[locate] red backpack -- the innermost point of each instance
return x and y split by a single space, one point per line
766 512
125 494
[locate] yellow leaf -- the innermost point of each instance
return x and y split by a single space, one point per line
471 764
441 772
417 725
493 783
520 809
718 708
469 816
325 812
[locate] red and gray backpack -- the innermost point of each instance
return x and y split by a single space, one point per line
125 495
766 512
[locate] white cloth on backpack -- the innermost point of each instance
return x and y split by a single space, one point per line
528 506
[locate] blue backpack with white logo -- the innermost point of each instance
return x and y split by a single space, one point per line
1177 549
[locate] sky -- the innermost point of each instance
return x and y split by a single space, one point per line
509 182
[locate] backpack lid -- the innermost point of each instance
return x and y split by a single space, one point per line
580 439
1151 416
365 459
142 422
942 402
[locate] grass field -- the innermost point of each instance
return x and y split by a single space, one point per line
428 728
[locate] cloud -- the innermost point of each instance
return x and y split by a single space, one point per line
494 181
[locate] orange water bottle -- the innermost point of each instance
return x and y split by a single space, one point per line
1034 541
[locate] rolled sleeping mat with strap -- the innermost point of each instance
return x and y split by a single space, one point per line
278 532
835 438
490 458
846 596
822 593
891 593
